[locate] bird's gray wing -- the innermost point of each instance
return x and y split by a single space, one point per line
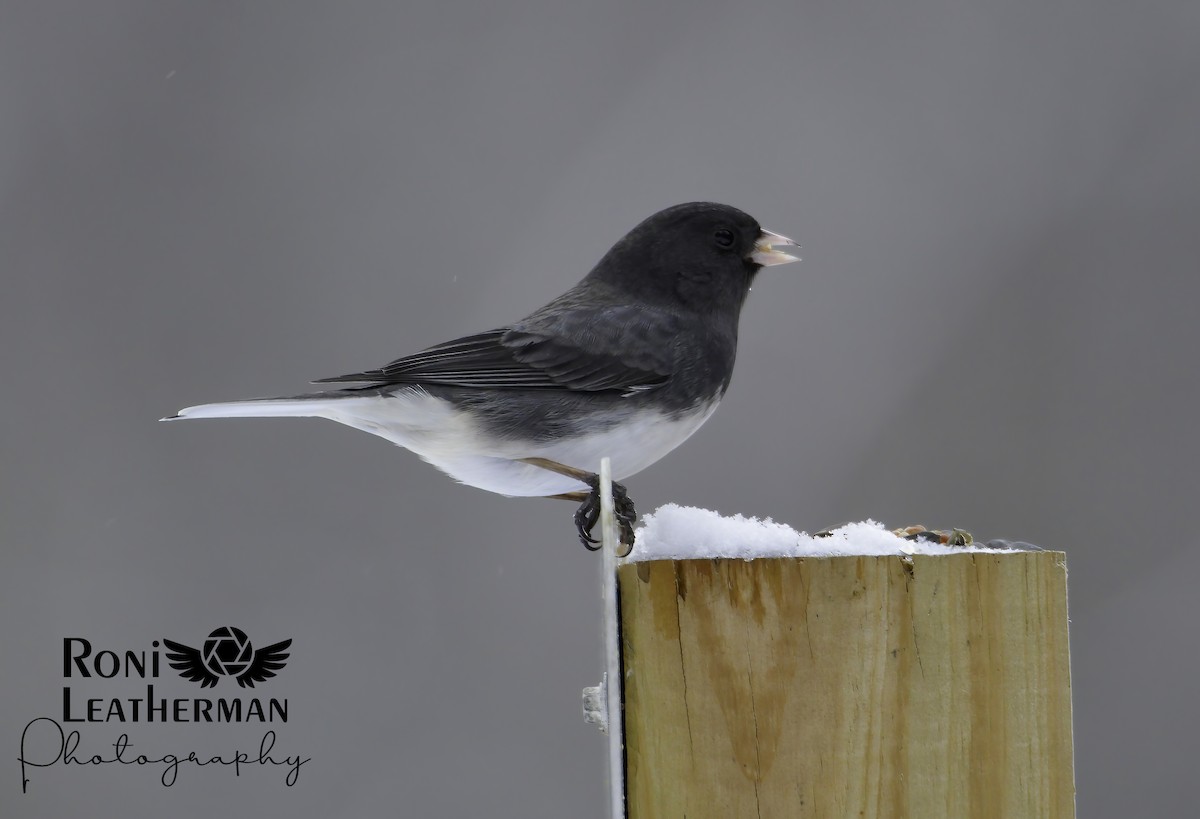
622 348
188 662
265 663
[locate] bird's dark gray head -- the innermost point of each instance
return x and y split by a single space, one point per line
702 256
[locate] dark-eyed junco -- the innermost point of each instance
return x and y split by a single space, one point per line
627 364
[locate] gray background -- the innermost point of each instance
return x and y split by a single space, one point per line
993 327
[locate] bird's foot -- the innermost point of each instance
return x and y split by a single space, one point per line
588 513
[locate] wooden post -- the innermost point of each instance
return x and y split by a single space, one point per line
874 687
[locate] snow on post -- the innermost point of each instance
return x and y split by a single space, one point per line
859 674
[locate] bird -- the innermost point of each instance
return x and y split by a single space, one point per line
628 364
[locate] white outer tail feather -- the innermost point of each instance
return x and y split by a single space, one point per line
261 408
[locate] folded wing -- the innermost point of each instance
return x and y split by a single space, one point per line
580 349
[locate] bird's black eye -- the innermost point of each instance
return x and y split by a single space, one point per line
723 237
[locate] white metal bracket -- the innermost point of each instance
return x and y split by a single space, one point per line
602 704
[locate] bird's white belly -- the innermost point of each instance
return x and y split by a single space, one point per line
451 441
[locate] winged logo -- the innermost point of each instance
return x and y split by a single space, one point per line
227 652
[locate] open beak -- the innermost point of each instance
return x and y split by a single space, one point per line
767 249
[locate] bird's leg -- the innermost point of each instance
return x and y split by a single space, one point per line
580 475
589 509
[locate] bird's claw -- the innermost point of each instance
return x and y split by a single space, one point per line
585 520
588 514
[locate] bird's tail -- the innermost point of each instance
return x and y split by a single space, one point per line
301 406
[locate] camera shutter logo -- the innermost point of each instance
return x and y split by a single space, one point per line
227 653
